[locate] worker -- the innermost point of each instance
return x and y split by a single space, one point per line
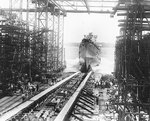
23 96
106 106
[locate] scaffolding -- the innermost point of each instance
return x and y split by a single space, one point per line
132 61
31 40
14 49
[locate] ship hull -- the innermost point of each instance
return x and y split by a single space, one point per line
89 55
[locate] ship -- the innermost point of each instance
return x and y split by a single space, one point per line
89 53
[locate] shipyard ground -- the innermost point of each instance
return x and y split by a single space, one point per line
102 111
101 106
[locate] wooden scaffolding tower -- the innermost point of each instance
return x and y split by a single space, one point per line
132 61
31 39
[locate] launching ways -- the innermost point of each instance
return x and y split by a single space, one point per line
93 105
86 102
17 110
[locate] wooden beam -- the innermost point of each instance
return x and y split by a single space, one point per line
82 11
87 6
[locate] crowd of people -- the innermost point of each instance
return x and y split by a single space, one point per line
103 89
26 87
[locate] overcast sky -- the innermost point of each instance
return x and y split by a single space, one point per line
77 25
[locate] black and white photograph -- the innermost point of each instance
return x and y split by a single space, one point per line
74 60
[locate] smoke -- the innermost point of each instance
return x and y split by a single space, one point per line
72 65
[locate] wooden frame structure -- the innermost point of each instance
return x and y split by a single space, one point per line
132 61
